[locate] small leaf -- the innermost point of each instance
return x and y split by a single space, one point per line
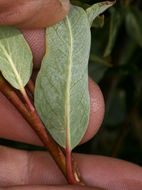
95 58
96 9
134 25
80 4
61 92
15 57
115 22
98 22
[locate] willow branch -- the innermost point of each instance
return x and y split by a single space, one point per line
33 119
31 87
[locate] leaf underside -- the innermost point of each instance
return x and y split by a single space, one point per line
15 57
61 93
96 9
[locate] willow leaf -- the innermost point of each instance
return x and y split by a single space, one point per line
115 23
61 93
15 57
96 9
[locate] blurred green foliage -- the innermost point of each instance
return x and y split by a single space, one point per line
116 65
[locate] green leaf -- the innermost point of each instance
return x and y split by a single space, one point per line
80 4
95 58
134 25
61 92
98 22
96 9
15 57
115 22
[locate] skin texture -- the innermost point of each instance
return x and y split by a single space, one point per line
23 170
32 13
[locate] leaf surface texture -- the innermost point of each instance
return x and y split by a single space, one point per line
15 57
61 94
96 9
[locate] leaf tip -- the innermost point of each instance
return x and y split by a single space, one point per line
98 8
108 2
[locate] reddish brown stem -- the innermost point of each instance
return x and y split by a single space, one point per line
72 178
32 118
28 102
31 87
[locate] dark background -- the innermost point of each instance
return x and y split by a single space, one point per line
116 65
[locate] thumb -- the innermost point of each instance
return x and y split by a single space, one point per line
60 187
32 14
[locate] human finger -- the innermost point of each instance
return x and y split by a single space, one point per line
14 126
97 108
45 187
37 168
36 41
32 14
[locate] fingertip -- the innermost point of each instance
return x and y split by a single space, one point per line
36 41
32 14
48 13
97 109
117 174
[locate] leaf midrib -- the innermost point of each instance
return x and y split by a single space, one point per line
13 68
68 81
